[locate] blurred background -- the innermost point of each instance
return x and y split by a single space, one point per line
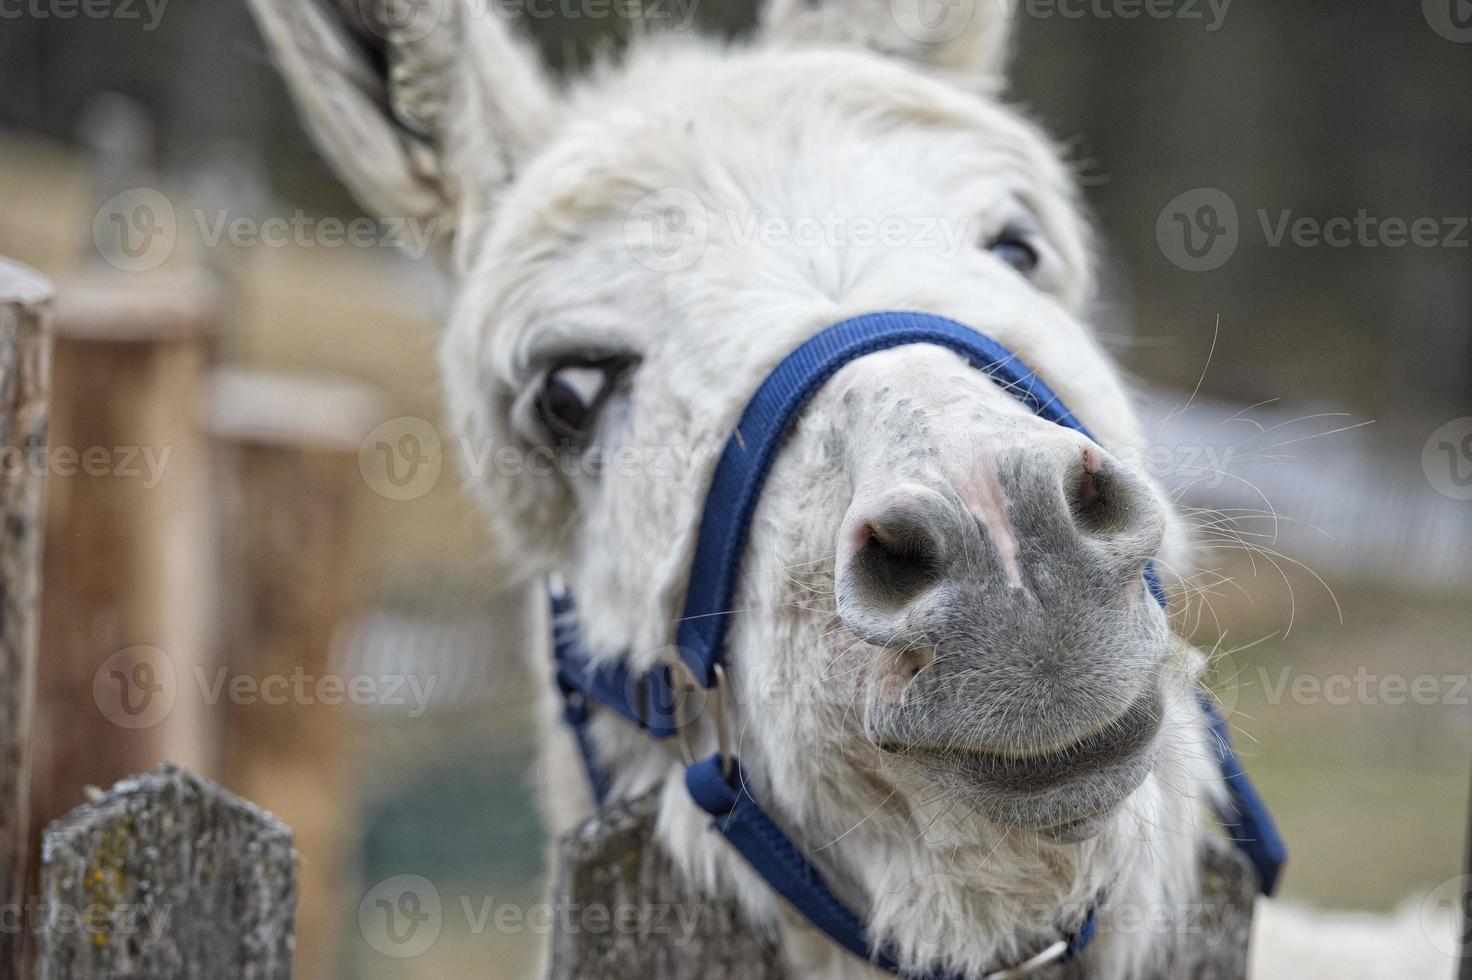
1283 202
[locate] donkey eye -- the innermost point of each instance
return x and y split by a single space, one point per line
571 395
1012 247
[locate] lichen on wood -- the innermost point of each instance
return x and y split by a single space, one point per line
622 910
167 876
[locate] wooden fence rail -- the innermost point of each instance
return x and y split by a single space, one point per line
167 876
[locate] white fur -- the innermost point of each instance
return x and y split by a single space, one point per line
942 884
805 124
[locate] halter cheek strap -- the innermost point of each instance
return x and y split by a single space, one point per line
651 699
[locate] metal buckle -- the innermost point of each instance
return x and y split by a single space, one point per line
681 674
1032 964
718 713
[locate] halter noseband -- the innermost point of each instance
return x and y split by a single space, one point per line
651 700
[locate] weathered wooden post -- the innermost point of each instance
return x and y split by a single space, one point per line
612 870
25 357
125 595
167 876
286 483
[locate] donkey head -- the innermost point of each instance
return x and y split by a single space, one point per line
944 643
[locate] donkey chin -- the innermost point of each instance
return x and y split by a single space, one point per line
1067 792
1028 726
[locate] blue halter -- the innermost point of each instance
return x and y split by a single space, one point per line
651 699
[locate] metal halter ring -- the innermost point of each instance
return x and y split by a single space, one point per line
687 682
1032 964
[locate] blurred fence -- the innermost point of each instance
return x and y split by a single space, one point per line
1310 484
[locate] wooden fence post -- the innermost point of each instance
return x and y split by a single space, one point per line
286 483
612 864
167 876
125 596
25 357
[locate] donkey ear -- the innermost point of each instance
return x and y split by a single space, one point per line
423 107
967 39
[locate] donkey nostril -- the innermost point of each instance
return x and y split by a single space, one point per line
1101 503
897 559
1115 509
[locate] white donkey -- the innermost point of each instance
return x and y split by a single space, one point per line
631 257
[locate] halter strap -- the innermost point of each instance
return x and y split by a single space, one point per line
1245 817
650 699
749 454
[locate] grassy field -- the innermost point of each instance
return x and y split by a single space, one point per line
1371 787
